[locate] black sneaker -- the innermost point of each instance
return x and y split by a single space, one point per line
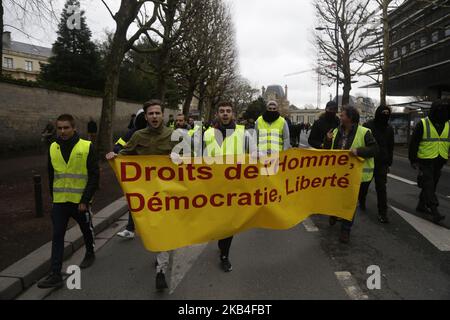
161 283
88 260
383 218
225 264
437 217
52 281
422 209
332 221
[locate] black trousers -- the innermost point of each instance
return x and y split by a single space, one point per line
430 171
380 177
224 246
130 226
61 214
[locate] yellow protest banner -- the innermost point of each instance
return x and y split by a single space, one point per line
176 206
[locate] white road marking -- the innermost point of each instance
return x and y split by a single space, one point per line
309 225
437 235
182 261
412 183
350 286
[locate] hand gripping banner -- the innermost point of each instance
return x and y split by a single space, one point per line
175 206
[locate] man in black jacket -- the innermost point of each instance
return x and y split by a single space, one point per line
384 135
323 125
429 158
73 180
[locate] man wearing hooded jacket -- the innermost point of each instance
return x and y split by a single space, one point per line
326 122
428 152
384 136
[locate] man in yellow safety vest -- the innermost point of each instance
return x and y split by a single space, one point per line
227 138
272 130
361 143
428 152
73 178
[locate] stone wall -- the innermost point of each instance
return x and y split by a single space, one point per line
25 111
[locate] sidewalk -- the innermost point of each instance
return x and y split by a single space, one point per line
23 274
21 231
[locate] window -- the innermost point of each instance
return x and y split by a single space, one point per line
29 65
404 51
395 54
423 41
8 63
412 46
435 36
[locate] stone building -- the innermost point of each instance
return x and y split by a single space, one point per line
278 94
22 60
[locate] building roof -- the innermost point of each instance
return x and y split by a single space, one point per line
26 48
277 89
415 105
352 101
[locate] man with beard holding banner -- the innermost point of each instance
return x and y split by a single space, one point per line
227 138
361 143
153 140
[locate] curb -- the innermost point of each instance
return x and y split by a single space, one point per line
24 273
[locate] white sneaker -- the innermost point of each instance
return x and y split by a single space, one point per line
126 234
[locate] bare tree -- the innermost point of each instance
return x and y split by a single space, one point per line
222 65
206 57
157 22
241 94
24 11
350 18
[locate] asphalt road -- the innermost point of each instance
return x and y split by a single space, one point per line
306 262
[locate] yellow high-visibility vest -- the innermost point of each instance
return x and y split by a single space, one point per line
433 145
121 142
193 130
270 136
70 178
359 142
232 145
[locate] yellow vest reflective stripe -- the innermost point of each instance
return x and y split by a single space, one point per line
232 145
70 178
359 142
193 131
270 136
121 142
432 145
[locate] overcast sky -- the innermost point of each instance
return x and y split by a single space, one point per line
273 38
